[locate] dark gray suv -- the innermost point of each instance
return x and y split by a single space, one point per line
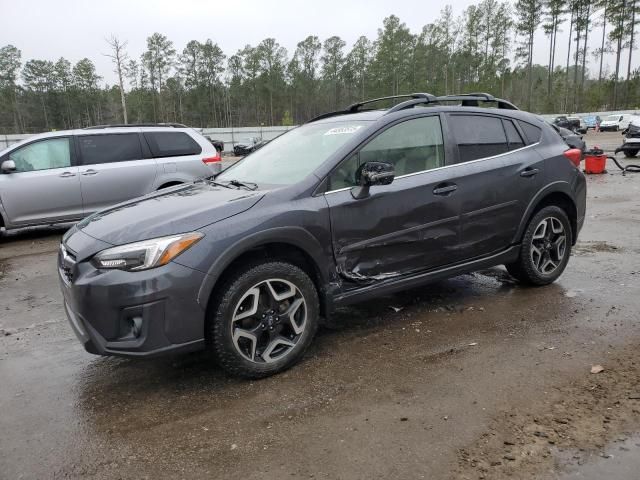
352 205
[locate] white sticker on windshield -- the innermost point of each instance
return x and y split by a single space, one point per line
344 130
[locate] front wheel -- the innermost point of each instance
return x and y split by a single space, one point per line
265 318
630 153
545 249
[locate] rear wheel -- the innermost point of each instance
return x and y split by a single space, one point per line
265 318
630 153
545 249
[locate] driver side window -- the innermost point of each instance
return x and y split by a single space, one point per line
412 146
42 155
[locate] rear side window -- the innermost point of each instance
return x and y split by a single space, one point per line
513 137
109 148
171 144
478 136
532 132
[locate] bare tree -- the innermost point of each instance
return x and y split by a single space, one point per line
119 56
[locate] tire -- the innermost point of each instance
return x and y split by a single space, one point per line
630 153
267 341
532 266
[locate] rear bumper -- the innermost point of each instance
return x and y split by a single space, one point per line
135 314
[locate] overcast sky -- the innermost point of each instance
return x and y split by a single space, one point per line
74 29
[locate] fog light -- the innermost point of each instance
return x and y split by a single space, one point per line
136 326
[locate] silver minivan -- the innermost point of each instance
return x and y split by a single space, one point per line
64 176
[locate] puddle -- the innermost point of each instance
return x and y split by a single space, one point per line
620 460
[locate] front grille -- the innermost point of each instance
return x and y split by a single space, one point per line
66 263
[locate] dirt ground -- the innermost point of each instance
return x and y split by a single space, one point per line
473 377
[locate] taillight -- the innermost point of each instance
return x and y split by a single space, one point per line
210 160
574 155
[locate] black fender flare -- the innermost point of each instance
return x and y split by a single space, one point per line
555 187
295 236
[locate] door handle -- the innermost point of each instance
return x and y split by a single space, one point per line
90 172
67 174
529 172
445 189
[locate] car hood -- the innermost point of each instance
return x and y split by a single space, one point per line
175 210
609 122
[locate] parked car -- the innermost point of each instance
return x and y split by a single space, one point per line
631 140
570 123
218 144
63 176
613 123
592 121
572 139
351 206
248 145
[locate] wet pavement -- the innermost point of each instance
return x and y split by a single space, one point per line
473 377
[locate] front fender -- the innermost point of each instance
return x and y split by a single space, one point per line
295 236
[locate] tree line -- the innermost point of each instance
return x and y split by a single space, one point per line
489 48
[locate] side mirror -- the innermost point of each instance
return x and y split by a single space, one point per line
370 174
8 166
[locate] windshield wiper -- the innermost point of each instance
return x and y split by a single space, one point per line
211 181
247 185
231 183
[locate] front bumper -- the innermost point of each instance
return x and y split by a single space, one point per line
630 144
134 314
608 128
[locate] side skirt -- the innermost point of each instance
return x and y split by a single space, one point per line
403 283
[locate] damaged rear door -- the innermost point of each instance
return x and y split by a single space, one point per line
411 224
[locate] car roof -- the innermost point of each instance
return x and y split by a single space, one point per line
373 115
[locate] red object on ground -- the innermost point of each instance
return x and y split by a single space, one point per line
595 161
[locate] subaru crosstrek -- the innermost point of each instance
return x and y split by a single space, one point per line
351 205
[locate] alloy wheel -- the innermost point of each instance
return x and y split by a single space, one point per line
269 320
548 245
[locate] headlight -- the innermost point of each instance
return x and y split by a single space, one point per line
146 254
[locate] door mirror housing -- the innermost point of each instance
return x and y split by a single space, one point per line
370 174
8 166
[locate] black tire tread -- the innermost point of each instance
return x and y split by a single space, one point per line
225 354
522 269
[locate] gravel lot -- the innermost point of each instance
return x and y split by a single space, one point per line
474 377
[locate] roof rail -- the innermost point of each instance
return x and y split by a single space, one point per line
123 125
465 99
424 96
356 107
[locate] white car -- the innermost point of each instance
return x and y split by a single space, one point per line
618 121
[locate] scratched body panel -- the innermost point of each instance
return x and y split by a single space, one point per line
401 227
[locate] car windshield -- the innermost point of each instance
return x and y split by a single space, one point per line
294 155
613 118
